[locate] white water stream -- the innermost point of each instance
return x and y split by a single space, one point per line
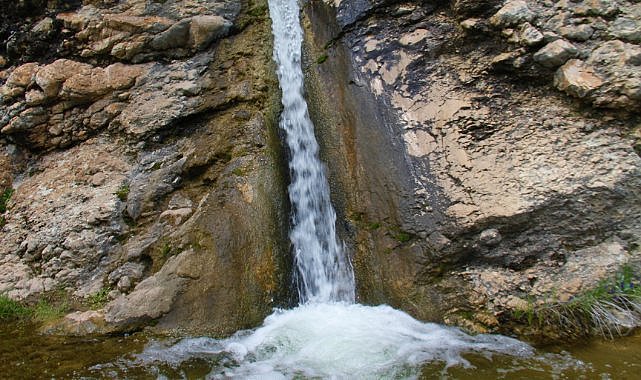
327 336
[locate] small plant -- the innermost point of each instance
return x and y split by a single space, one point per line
165 250
240 172
321 59
403 236
10 309
4 199
123 192
374 226
100 298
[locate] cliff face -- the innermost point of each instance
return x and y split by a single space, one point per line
143 152
482 153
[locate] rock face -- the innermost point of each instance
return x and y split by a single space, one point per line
146 167
468 184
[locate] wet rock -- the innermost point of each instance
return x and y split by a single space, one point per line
577 79
79 324
555 53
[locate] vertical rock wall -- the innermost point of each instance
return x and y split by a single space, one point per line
470 186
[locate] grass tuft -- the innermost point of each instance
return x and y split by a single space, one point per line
123 192
610 309
99 299
10 309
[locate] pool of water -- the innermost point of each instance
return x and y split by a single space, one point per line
427 352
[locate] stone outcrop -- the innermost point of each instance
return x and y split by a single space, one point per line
146 167
468 184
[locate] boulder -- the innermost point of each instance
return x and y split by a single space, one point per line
529 35
512 13
555 53
205 29
577 79
51 77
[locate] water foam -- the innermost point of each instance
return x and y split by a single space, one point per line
335 340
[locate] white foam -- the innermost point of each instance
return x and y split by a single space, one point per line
336 340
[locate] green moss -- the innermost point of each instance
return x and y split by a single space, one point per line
258 11
123 192
10 309
321 59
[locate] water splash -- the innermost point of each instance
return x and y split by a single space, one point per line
334 340
323 272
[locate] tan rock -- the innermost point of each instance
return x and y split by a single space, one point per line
137 24
23 75
51 77
577 79
97 82
79 323
34 97
205 29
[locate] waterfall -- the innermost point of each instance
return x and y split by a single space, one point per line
323 272
327 335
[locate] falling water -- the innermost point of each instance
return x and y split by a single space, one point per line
323 272
327 336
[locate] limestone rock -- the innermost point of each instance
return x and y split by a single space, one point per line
152 298
512 13
79 324
205 29
577 79
555 53
581 32
529 35
51 77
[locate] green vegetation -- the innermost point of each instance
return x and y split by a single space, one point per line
239 171
321 59
373 226
10 309
45 311
165 250
609 309
123 192
4 199
100 298
402 236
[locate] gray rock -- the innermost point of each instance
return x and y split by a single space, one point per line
529 35
581 32
177 36
555 53
512 13
627 29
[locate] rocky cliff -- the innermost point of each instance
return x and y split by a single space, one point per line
482 152
483 156
140 141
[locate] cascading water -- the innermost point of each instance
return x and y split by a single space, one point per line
327 336
323 272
